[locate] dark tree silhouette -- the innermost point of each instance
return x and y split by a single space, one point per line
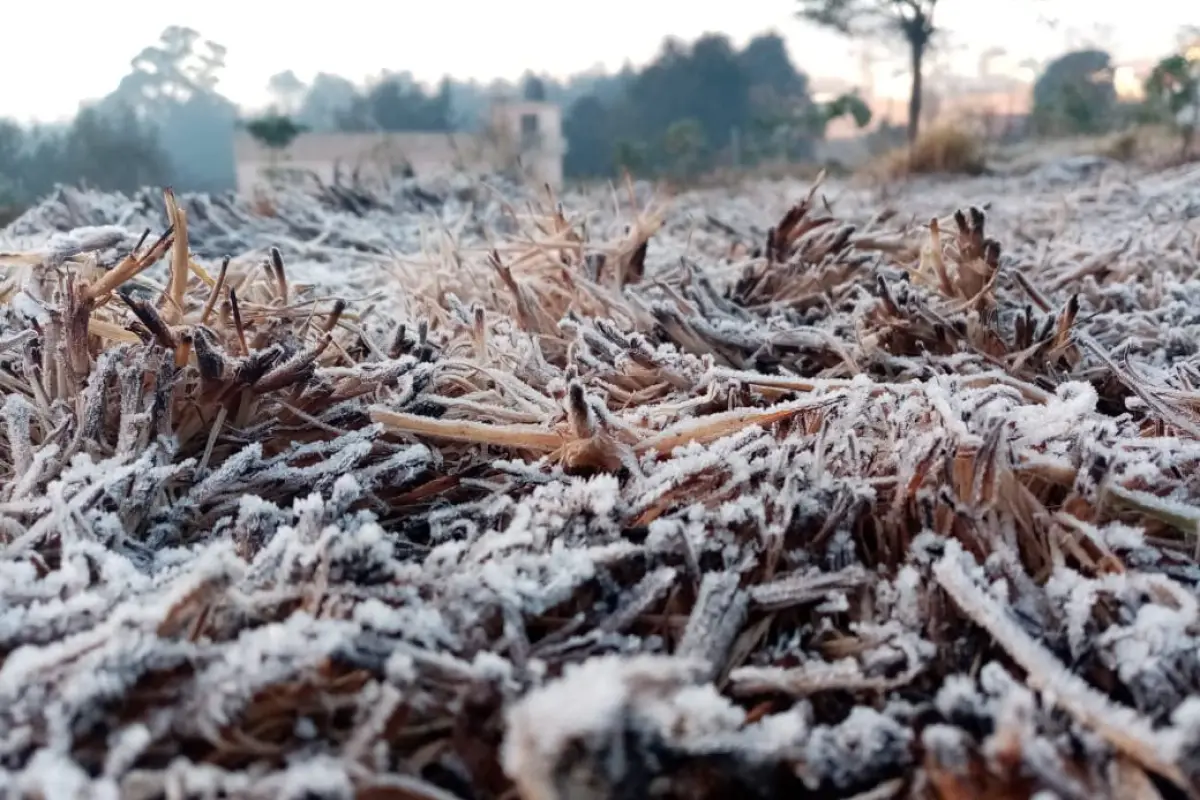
1075 94
587 126
780 107
766 63
287 90
110 148
172 87
1173 95
107 148
534 88
705 83
326 100
398 103
910 19
630 120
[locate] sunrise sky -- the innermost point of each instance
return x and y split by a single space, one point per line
58 54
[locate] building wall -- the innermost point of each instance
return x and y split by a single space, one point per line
540 147
373 155
377 155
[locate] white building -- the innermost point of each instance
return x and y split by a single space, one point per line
518 135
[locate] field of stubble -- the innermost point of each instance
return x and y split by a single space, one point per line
463 491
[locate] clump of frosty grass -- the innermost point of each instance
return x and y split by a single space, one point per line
457 491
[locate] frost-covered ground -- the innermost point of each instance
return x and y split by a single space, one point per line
463 493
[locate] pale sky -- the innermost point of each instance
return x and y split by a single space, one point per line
57 53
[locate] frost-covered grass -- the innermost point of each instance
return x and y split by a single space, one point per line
466 492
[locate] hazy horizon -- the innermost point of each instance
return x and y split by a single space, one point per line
484 42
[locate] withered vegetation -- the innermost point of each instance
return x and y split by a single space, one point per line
855 506
943 150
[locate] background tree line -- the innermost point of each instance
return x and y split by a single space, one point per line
167 122
682 112
695 106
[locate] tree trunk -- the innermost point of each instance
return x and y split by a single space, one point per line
917 55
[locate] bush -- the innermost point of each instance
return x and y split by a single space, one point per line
1075 95
946 149
1173 96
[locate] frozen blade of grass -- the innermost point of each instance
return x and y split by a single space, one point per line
174 302
803 681
715 621
716 426
18 414
551 753
1169 414
74 504
1035 294
1130 780
1121 726
643 596
1180 516
884 791
16 340
802 588
526 437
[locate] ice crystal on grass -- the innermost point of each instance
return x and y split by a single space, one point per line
766 494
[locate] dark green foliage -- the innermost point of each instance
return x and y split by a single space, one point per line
1075 95
631 156
398 103
12 193
847 105
325 100
705 83
684 145
589 129
790 131
779 125
766 64
393 102
534 88
680 112
1173 96
113 149
1171 85
276 131
103 148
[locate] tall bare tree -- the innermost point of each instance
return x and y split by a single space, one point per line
910 19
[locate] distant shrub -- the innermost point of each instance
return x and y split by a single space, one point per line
1123 147
1152 145
946 149
1173 96
1075 95
274 131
